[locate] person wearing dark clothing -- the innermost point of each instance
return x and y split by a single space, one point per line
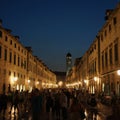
93 105
57 107
49 103
36 105
14 101
3 103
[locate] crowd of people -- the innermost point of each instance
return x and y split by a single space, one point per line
61 103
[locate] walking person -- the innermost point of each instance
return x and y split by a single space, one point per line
63 102
93 105
57 106
14 102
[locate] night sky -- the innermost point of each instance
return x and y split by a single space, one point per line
55 27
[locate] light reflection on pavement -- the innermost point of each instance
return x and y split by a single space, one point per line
103 110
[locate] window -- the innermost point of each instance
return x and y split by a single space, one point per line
25 64
10 57
18 75
9 73
21 62
14 59
110 56
0 52
114 20
5 55
105 33
0 34
10 42
14 74
102 60
116 52
18 48
109 28
15 45
6 38
18 61
95 66
106 59
101 37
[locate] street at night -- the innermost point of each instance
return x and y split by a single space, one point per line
63 64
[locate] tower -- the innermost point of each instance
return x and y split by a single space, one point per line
68 63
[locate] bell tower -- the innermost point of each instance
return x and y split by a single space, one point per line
68 62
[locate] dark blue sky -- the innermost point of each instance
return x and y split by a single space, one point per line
55 27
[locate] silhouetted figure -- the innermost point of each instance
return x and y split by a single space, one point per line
36 104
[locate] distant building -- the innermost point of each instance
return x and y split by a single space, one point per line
60 78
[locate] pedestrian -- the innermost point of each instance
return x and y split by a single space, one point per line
63 102
36 104
57 106
3 103
93 105
14 102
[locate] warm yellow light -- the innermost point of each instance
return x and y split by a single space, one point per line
60 83
37 82
28 81
95 78
85 81
15 79
43 84
118 72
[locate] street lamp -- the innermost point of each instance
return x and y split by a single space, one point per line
118 72
28 81
95 78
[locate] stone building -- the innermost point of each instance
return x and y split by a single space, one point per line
19 68
99 67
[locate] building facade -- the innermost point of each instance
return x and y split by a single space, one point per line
19 68
99 66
